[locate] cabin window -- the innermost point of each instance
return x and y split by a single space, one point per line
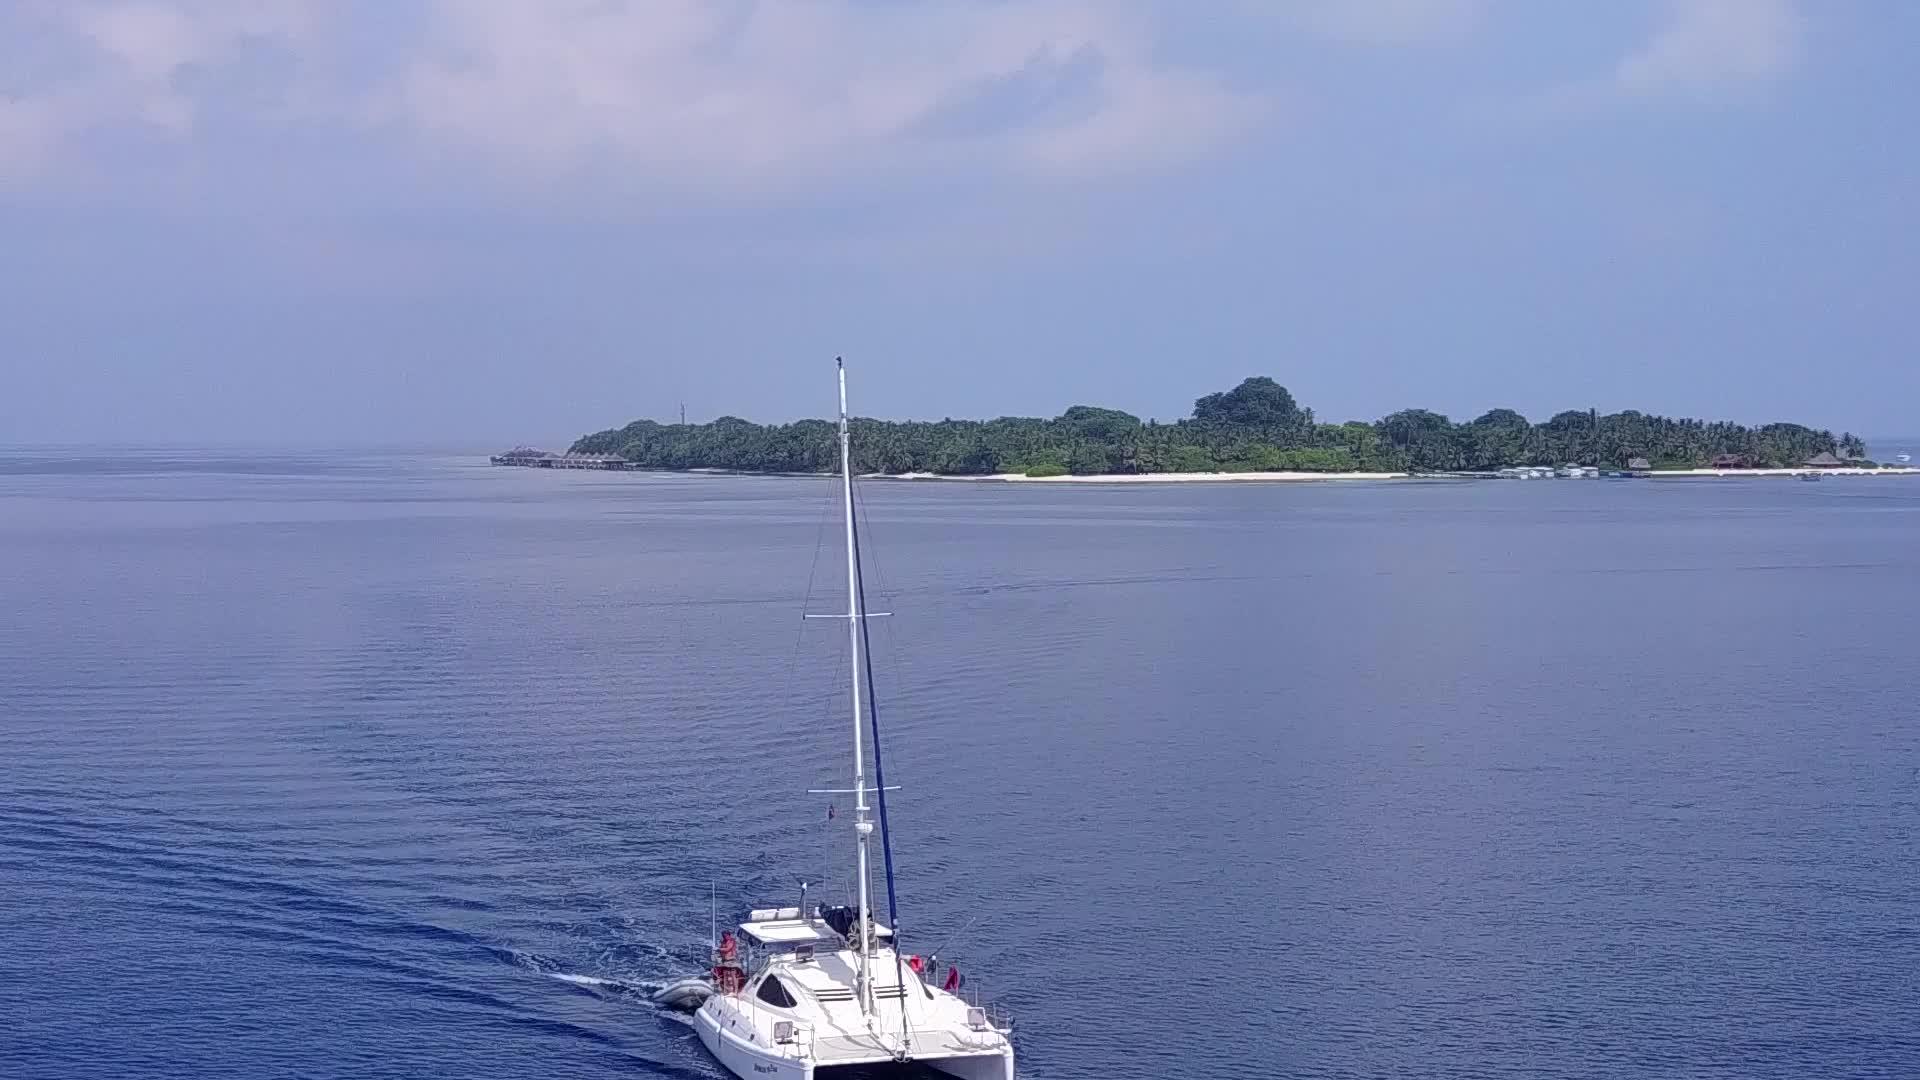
774 993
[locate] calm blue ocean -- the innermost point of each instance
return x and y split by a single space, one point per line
341 766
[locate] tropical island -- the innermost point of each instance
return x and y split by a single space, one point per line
1256 427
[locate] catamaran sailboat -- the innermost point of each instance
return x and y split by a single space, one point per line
804 992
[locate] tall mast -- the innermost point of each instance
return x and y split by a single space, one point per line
862 828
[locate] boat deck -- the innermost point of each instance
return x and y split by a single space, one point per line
920 1046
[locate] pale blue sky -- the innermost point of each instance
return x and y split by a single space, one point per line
488 221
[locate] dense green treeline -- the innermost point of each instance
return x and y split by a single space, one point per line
1256 426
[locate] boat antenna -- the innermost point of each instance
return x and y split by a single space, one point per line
862 828
713 917
955 936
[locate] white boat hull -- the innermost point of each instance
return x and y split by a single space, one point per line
996 1067
733 1045
744 1058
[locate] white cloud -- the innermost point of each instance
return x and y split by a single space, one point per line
722 95
1700 51
1378 22
1713 47
738 94
26 138
84 66
748 94
149 40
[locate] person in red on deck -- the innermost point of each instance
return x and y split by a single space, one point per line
953 979
918 965
728 977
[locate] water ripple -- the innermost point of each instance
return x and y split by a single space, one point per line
348 768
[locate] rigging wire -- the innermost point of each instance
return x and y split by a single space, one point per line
806 599
838 876
832 880
880 783
863 531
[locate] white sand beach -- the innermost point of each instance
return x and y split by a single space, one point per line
1156 478
1293 477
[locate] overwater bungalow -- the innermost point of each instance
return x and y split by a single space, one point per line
529 458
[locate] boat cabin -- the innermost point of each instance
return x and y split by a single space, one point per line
785 936
779 931
783 930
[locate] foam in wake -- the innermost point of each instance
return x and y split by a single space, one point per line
684 993
597 983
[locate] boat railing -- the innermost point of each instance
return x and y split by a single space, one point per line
986 1011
